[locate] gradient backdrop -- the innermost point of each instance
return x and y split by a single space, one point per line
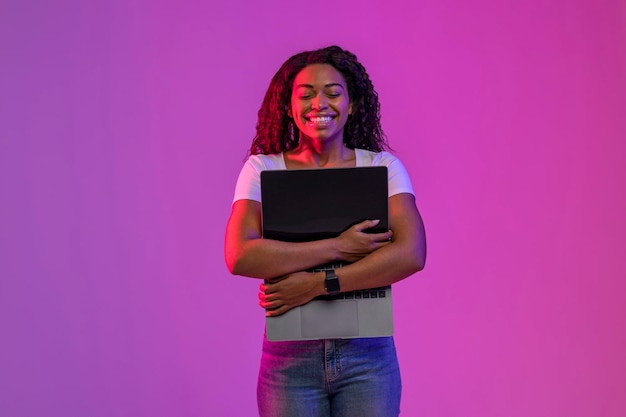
124 124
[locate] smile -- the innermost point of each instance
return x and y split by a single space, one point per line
320 119
320 122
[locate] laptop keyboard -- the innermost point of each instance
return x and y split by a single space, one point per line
379 292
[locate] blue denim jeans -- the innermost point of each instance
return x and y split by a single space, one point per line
334 377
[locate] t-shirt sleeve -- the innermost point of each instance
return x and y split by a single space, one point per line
248 186
399 180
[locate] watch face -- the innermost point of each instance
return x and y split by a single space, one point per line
332 282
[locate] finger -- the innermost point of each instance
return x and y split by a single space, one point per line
273 308
267 297
268 288
277 311
270 298
381 237
366 224
269 305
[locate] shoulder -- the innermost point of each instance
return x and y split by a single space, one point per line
266 162
399 181
369 158
248 185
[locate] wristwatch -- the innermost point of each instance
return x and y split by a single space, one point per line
331 283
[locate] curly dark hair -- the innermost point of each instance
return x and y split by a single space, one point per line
276 131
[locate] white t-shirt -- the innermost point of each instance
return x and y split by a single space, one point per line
249 182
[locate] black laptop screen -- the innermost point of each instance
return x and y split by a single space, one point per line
312 204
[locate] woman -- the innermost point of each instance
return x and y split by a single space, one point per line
321 111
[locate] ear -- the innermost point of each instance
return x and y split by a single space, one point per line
350 108
288 108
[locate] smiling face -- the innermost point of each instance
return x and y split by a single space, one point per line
320 104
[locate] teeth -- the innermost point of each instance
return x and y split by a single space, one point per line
322 119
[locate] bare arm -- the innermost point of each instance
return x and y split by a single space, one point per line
405 255
248 254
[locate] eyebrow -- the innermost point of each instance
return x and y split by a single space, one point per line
325 86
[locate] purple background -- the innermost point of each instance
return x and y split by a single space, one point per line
123 126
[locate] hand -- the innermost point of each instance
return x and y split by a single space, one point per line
354 244
289 291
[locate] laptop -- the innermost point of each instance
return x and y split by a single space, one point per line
312 204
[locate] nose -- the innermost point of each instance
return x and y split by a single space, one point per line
319 102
